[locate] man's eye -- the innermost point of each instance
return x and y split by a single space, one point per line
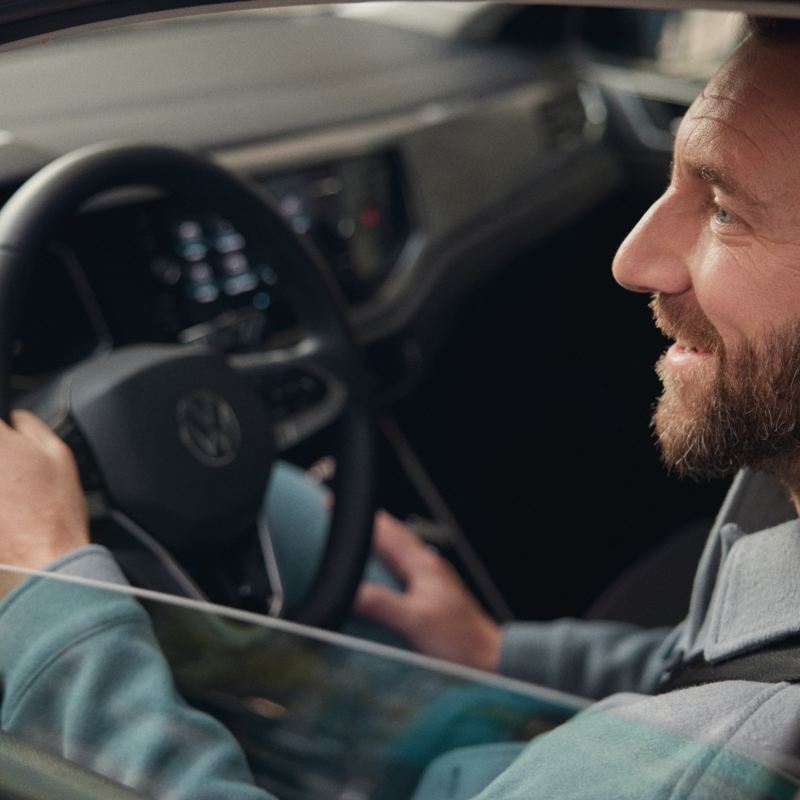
723 216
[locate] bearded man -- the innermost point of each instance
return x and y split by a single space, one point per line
691 711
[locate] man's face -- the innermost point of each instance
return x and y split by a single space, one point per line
720 252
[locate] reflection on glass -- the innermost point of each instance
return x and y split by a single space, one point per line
683 44
693 43
319 716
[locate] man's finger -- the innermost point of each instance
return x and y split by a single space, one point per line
30 426
397 546
384 605
18 418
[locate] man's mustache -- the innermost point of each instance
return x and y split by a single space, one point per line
684 321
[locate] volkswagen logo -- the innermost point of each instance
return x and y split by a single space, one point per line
207 425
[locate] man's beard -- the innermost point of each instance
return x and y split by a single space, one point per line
744 411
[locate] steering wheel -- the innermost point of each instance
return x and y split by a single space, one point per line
178 440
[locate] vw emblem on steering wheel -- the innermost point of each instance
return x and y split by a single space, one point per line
208 427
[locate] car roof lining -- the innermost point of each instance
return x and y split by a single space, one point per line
25 23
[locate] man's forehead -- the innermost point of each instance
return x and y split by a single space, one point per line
745 124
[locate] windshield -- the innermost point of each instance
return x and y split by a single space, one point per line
317 714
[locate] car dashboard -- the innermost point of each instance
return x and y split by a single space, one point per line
402 164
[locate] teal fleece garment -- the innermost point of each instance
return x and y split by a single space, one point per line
83 677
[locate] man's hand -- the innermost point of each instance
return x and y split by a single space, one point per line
436 612
42 507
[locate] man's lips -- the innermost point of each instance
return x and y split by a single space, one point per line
682 354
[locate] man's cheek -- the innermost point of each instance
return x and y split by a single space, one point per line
735 293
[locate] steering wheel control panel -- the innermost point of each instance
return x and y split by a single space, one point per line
290 391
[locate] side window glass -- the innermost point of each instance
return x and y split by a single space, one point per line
684 44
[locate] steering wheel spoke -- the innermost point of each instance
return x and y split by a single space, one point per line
256 583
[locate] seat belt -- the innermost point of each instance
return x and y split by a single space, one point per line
774 664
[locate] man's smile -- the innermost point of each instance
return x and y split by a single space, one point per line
694 339
682 355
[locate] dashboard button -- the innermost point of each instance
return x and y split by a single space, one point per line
221 225
204 293
268 275
235 263
239 284
189 230
192 251
201 273
262 301
229 242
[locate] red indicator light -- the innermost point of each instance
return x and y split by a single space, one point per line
371 217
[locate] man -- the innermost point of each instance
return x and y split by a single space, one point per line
720 254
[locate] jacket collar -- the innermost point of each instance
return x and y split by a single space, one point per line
755 502
756 599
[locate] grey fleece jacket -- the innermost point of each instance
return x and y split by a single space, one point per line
596 659
727 739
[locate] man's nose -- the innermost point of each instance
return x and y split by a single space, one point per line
653 257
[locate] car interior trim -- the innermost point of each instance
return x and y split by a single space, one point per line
159 553
277 596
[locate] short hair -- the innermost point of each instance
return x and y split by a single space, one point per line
773 30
